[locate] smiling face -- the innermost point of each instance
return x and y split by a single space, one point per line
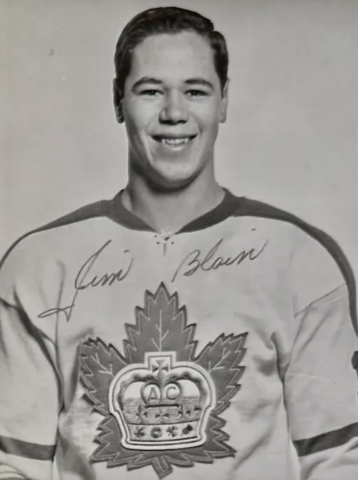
172 107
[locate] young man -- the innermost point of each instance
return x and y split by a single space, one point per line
176 329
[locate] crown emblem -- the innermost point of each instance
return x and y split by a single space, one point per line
161 397
162 404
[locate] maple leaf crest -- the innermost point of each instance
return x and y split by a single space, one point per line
161 328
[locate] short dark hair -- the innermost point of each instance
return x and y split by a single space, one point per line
166 20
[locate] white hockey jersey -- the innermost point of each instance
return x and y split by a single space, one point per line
224 351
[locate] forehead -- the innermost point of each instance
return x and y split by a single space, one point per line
173 56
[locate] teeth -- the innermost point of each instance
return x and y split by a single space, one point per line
175 141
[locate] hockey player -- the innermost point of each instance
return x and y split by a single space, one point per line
176 329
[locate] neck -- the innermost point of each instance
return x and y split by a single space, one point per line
168 211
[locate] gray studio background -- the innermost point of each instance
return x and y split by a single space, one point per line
291 138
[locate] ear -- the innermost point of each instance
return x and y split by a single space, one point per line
224 102
117 100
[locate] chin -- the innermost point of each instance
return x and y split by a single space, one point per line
181 176
172 183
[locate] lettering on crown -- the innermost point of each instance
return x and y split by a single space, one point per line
162 403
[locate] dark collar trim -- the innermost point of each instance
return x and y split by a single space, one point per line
118 213
224 210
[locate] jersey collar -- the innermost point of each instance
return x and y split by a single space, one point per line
118 213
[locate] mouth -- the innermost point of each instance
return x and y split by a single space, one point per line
174 142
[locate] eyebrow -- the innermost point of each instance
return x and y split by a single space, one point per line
189 81
200 81
145 80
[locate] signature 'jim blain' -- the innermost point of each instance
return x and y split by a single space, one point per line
84 280
212 260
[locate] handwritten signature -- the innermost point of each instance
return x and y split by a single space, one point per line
83 281
196 260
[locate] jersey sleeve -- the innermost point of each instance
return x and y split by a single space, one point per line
29 388
29 400
320 383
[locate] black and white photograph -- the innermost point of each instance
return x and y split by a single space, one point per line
178 240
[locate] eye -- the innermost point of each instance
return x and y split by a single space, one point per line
197 93
150 93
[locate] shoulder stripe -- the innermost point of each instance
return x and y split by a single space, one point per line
333 439
111 209
33 451
247 207
97 209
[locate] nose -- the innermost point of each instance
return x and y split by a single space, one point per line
173 110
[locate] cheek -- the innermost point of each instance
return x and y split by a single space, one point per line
207 116
139 115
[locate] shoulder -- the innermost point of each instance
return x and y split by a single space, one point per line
29 253
301 237
318 264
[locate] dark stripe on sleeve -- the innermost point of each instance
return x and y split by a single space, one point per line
333 439
26 449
